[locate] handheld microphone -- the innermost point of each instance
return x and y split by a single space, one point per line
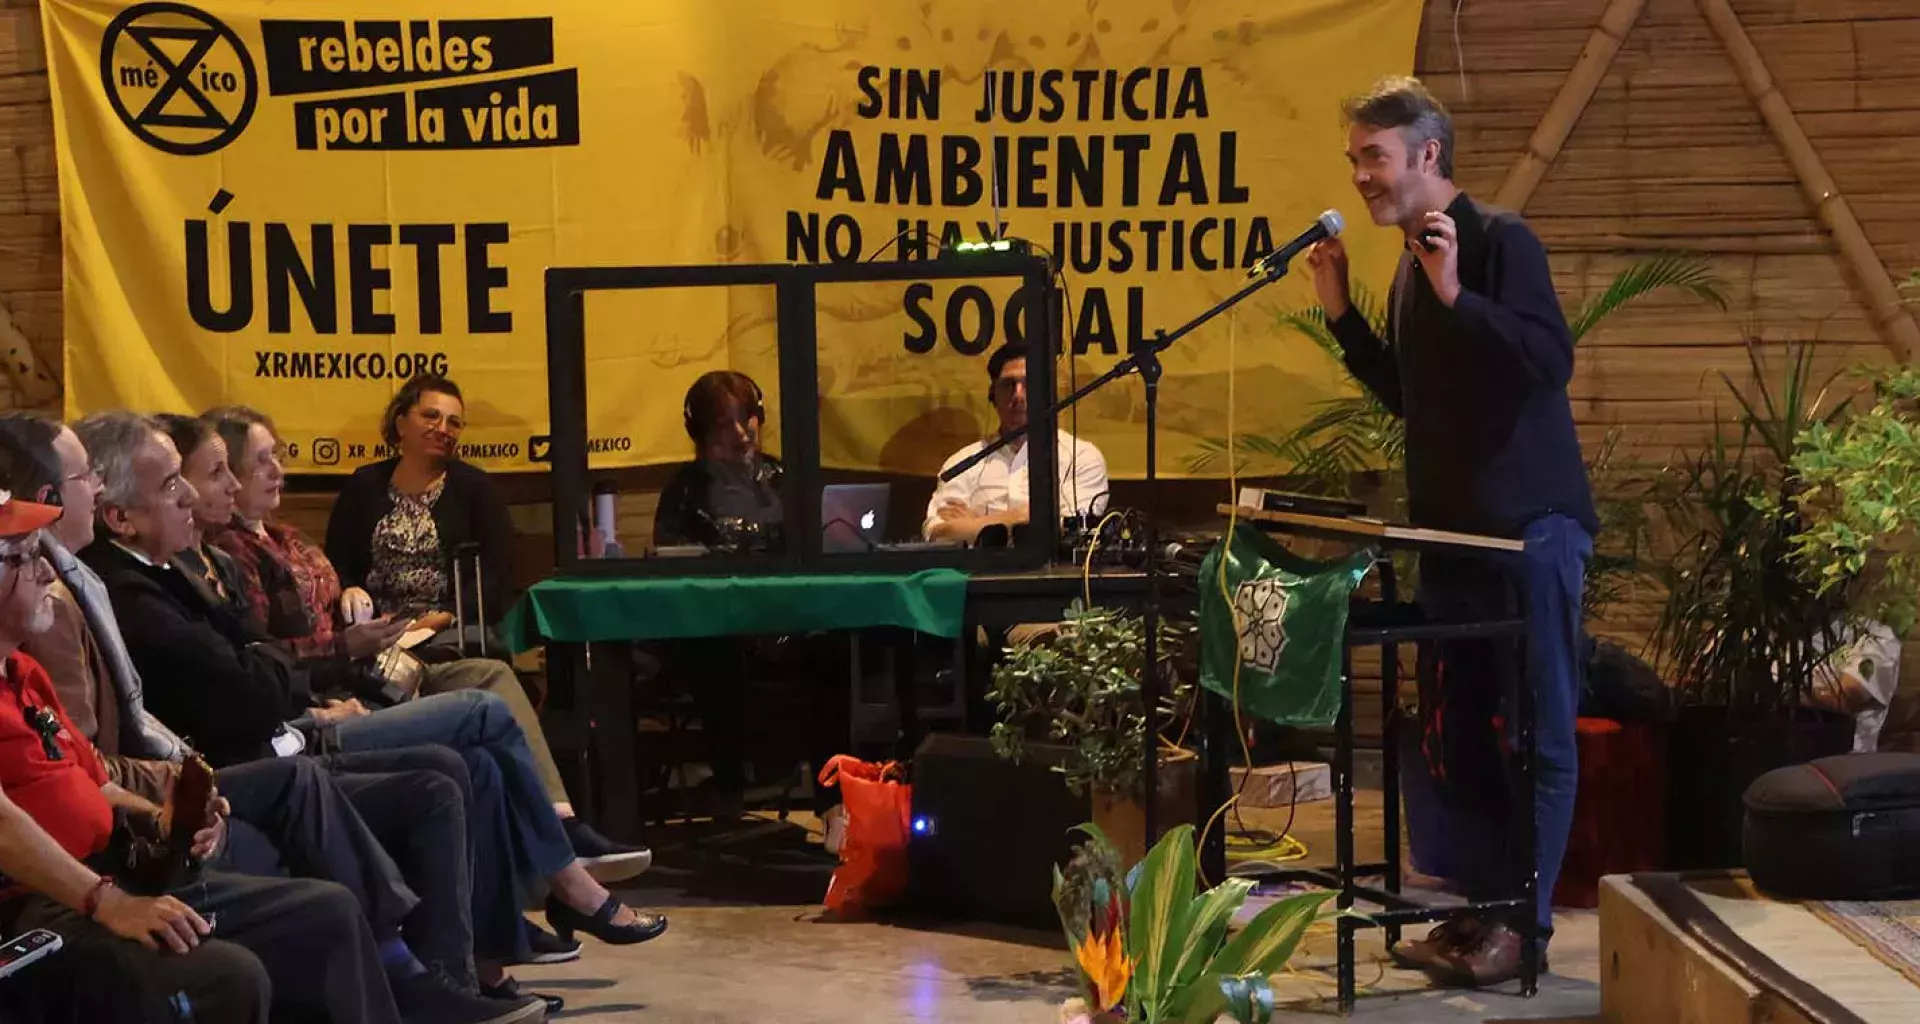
1275 263
1187 556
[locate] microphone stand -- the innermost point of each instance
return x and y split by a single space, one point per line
1145 361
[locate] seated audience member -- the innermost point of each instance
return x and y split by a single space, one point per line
300 943
209 677
288 589
729 497
399 524
330 674
287 814
994 491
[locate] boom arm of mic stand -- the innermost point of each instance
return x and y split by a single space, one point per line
1135 362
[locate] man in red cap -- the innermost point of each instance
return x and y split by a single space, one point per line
300 944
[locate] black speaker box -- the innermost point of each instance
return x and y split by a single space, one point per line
987 833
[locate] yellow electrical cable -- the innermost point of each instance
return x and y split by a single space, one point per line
1086 571
1286 848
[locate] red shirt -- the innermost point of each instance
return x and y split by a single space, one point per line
63 796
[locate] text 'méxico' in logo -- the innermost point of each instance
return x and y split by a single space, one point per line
179 79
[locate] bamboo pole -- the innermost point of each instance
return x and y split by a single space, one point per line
1576 91
1884 308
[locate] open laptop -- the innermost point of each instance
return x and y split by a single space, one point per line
853 517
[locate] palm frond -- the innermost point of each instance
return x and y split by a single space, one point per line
1689 274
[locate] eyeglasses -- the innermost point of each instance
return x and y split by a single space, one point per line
91 476
28 557
451 424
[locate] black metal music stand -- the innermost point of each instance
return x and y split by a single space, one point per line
1388 623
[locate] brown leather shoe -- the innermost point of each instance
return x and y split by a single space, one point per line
1493 960
1437 951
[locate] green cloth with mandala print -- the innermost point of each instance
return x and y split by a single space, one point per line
1284 618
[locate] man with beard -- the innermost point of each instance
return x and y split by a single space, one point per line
1476 360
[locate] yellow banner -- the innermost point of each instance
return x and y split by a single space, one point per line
298 204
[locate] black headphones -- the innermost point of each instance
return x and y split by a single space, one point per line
758 409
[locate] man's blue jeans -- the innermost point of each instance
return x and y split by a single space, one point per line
517 839
1463 690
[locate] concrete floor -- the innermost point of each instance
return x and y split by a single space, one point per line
747 947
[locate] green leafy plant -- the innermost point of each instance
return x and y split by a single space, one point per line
1745 624
1081 689
1176 962
1859 500
1623 491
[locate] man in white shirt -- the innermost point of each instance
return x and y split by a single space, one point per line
994 490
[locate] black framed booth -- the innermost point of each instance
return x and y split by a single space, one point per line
591 710
796 287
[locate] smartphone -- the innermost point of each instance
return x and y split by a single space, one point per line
22 950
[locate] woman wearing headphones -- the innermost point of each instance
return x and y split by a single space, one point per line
728 498
729 495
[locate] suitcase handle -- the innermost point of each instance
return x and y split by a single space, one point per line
462 555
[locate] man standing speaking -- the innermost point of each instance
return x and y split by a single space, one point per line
1476 361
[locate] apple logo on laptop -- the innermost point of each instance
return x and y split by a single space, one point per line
867 520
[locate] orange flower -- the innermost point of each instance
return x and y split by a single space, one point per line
1103 959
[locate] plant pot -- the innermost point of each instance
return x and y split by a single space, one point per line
1124 819
1713 756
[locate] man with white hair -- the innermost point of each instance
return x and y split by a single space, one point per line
229 690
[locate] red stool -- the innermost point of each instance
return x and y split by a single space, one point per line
1619 813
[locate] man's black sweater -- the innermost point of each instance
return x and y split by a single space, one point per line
205 675
1482 386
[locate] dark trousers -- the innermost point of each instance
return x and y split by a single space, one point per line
1465 688
516 839
390 826
65 987
299 943
414 800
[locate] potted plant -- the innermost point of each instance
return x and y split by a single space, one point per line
1745 623
1079 689
1859 502
1148 946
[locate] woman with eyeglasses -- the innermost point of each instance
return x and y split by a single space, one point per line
399 524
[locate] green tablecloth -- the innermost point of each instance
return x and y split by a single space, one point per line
589 609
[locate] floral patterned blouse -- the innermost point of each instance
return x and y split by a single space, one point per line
409 575
281 571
